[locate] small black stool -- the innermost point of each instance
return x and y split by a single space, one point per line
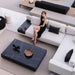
2 22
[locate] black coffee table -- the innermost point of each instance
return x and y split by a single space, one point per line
19 57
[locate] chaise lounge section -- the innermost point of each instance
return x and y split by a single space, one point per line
57 63
53 15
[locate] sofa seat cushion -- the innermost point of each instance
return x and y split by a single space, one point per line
52 38
53 7
48 37
29 31
35 20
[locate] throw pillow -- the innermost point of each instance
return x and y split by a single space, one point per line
68 55
72 60
54 29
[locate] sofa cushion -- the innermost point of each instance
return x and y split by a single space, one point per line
57 24
54 29
52 38
70 30
29 31
68 55
47 37
35 20
52 7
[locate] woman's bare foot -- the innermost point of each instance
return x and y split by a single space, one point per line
32 39
34 42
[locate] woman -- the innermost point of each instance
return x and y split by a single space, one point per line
38 30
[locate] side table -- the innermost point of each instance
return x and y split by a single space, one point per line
27 4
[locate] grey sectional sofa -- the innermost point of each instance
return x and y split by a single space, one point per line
65 40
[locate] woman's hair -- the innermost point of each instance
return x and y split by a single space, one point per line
43 12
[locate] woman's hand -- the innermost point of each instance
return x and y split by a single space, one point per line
41 25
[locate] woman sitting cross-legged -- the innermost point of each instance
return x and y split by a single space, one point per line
38 30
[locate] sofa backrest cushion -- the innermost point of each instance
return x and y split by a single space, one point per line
35 20
70 30
53 7
57 24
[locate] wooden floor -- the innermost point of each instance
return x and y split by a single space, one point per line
71 12
27 4
4 72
